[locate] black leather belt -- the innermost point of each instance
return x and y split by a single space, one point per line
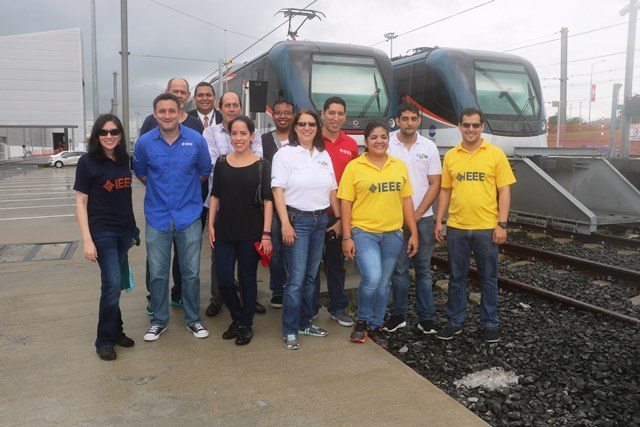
314 213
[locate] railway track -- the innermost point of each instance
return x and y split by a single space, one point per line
508 283
597 237
584 265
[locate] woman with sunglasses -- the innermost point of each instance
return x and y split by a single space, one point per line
105 215
240 213
375 196
304 185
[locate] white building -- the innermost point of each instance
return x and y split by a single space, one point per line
41 92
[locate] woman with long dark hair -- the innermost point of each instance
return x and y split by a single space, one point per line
240 214
105 215
375 195
304 185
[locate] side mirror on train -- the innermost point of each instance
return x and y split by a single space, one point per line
258 96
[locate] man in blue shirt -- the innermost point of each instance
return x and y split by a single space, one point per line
172 161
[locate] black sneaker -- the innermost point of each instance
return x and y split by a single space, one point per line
232 332
260 309
276 301
393 323
491 335
359 333
426 326
107 353
378 336
125 341
448 332
213 309
154 333
245 333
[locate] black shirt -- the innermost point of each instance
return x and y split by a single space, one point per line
238 219
108 185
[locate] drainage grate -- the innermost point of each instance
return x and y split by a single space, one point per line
25 252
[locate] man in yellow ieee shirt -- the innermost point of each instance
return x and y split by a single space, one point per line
476 177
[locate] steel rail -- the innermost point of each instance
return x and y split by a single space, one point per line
588 266
504 282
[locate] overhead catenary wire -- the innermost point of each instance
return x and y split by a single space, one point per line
436 21
569 36
260 39
206 22
587 59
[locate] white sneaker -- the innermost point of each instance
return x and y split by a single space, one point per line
154 332
198 330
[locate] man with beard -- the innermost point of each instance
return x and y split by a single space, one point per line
425 171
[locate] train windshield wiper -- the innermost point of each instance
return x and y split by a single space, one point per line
375 95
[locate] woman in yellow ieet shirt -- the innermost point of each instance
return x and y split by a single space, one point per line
375 196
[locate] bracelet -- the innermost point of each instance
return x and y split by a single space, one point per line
346 238
266 233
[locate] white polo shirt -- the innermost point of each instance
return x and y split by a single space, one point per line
422 160
307 179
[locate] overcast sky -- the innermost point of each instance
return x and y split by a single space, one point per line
500 25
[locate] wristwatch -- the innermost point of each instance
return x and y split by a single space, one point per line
503 224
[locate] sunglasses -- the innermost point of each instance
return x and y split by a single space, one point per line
471 125
310 124
112 132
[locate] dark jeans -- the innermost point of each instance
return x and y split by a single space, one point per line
226 255
460 245
112 250
335 273
277 271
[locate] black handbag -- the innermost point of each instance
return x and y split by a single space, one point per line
257 198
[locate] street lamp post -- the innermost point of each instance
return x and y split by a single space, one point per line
390 37
591 87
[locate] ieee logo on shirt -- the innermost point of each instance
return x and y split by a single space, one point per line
187 144
470 176
422 157
117 184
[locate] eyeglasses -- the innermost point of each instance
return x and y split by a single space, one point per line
112 132
283 113
471 125
310 124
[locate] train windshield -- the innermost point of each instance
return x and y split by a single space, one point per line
356 79
505 91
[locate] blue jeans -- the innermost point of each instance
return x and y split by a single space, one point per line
376 256
277 271
335 273
460 245
422 264
226 254
188 242
302 261
112 250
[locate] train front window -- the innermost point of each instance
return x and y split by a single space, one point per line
505 90
356 79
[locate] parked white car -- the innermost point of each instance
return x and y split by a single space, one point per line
65 158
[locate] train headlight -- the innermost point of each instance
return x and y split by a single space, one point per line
392 123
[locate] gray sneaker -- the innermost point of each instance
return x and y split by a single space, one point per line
314 331
342 318
291 342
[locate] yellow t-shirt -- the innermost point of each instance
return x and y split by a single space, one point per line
376 193
474 179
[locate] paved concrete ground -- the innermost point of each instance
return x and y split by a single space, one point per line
51 374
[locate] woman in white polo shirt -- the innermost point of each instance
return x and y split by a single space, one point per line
304 185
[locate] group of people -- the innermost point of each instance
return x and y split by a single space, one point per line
295 196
